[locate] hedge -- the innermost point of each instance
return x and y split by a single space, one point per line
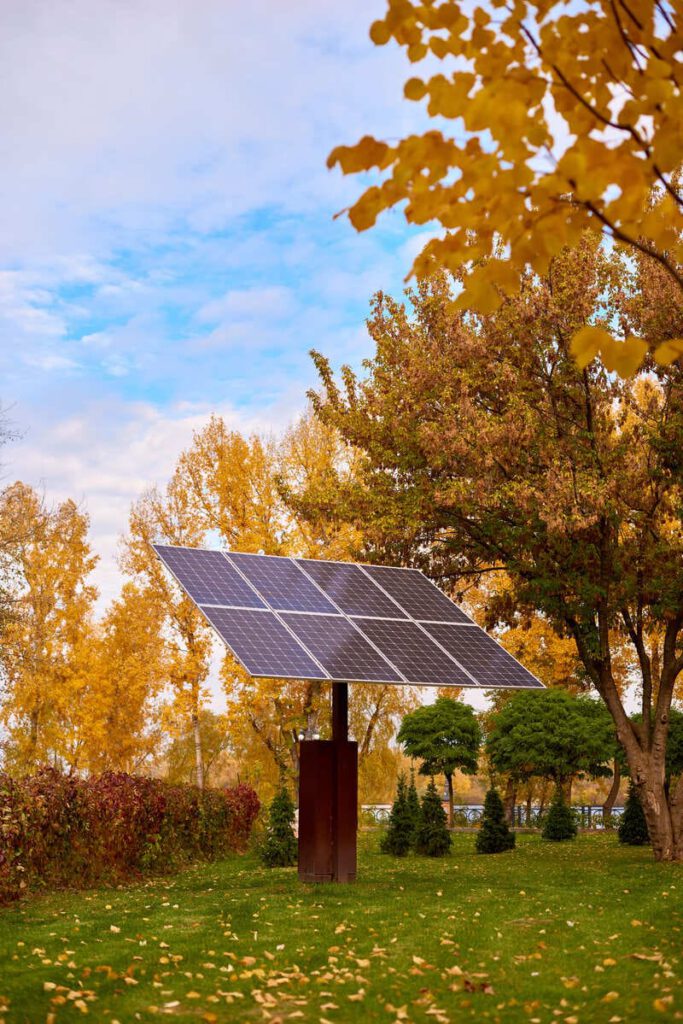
62 830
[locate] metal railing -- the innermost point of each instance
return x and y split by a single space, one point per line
588 816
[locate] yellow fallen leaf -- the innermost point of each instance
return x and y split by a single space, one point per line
609 997
663 1003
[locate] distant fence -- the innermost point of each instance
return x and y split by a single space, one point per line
469 815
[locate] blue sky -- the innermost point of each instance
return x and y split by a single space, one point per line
168 242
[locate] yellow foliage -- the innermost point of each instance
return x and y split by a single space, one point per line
45 650
606 79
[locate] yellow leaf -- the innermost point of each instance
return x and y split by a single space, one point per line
663 1003
668 351
609 997
625 357
586 344
379 33
414 89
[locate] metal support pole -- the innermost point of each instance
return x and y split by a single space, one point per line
340 712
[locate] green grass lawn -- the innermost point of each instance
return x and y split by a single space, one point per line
581 931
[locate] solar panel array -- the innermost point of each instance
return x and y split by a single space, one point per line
299 618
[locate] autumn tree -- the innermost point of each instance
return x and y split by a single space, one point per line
484 440
117 718
168 517
566 120
46 640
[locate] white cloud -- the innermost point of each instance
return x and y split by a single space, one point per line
249 304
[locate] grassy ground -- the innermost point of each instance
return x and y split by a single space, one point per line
576 932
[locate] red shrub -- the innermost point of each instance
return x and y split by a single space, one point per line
58 829
244 806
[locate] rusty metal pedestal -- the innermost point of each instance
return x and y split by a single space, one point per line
328 800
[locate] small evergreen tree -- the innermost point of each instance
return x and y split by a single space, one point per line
400 836
633 827
494 836
280 848
413 804
560 824
433 838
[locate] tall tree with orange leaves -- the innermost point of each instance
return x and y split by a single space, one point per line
569 481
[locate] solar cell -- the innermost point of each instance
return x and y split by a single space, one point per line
480 654
414 653
421 598
263 645
282 583
350 589
340 648
208 577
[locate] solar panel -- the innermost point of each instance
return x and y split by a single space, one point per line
340 648
483 657
414 653
421 598
263 645
309 619
208 577
282 583
350 589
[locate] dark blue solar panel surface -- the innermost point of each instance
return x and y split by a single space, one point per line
420 597
343 651
351 589
262 643
480 654
282 583
414 653
306 636
208 577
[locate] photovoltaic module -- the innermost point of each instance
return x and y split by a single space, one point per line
300 618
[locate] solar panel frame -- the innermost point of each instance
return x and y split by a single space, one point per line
459 625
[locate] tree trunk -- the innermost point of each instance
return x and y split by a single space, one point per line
509 801
528 809
449 782
199 762
664 820
609 803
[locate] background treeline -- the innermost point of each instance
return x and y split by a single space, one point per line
545 496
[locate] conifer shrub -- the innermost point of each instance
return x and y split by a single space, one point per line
559 824
433 838
495 835
400 835
413 801
633 826
280 848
